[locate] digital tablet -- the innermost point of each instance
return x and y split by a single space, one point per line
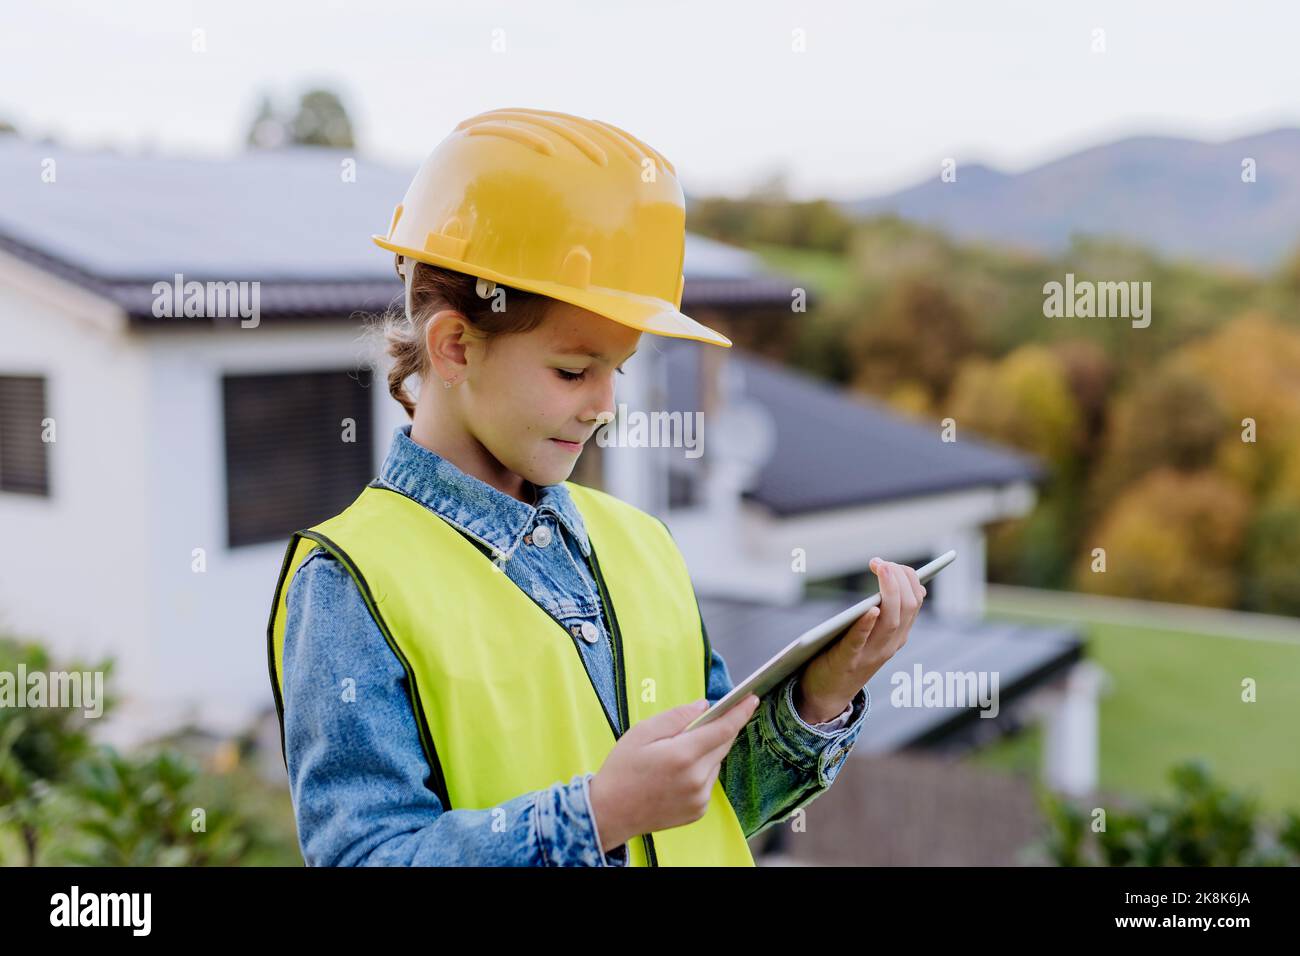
805 647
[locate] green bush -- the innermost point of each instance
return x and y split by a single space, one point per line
66 800
1204 824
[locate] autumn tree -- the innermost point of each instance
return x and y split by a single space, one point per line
918 338
1173 536
1025 401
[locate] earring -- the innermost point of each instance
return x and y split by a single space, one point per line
446 384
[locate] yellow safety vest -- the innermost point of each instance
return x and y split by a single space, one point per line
500 694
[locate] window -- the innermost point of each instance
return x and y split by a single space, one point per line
24 455
292 458
682 489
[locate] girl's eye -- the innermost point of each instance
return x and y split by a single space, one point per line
574 376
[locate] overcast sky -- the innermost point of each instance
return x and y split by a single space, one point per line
881 94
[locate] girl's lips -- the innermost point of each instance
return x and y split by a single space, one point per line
567 445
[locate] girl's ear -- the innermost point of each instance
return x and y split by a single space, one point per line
443 343
450 339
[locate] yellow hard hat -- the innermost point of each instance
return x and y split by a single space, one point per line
570 208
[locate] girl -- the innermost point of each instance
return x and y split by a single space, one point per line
480 661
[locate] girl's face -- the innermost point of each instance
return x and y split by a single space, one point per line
532 399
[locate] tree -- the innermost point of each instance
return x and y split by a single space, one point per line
1170 419
1089 373
1023 400
1271 576
269 130
919 335
1252 365
1289 273
1173 536
772 188
320 120
766 216
1035 550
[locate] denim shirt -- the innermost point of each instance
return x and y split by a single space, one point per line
357 773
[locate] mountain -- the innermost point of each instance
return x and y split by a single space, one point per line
1182 197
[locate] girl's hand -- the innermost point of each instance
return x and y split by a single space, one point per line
830 680
660 776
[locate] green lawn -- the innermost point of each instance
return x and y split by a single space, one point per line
826 272
1177 695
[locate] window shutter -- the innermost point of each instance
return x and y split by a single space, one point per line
24 457
287 463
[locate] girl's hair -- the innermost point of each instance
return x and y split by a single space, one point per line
435 288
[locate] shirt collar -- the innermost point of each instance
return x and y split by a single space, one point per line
493 517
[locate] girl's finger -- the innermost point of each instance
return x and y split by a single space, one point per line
910 603
866 624
914 582
906 599
889 610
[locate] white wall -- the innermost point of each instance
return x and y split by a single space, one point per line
74 566
212 625
138 482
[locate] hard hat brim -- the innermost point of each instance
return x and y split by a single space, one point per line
644 313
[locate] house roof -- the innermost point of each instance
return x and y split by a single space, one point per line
865 451
747 634
118 223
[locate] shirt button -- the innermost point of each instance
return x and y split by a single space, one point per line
541 536
589 632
